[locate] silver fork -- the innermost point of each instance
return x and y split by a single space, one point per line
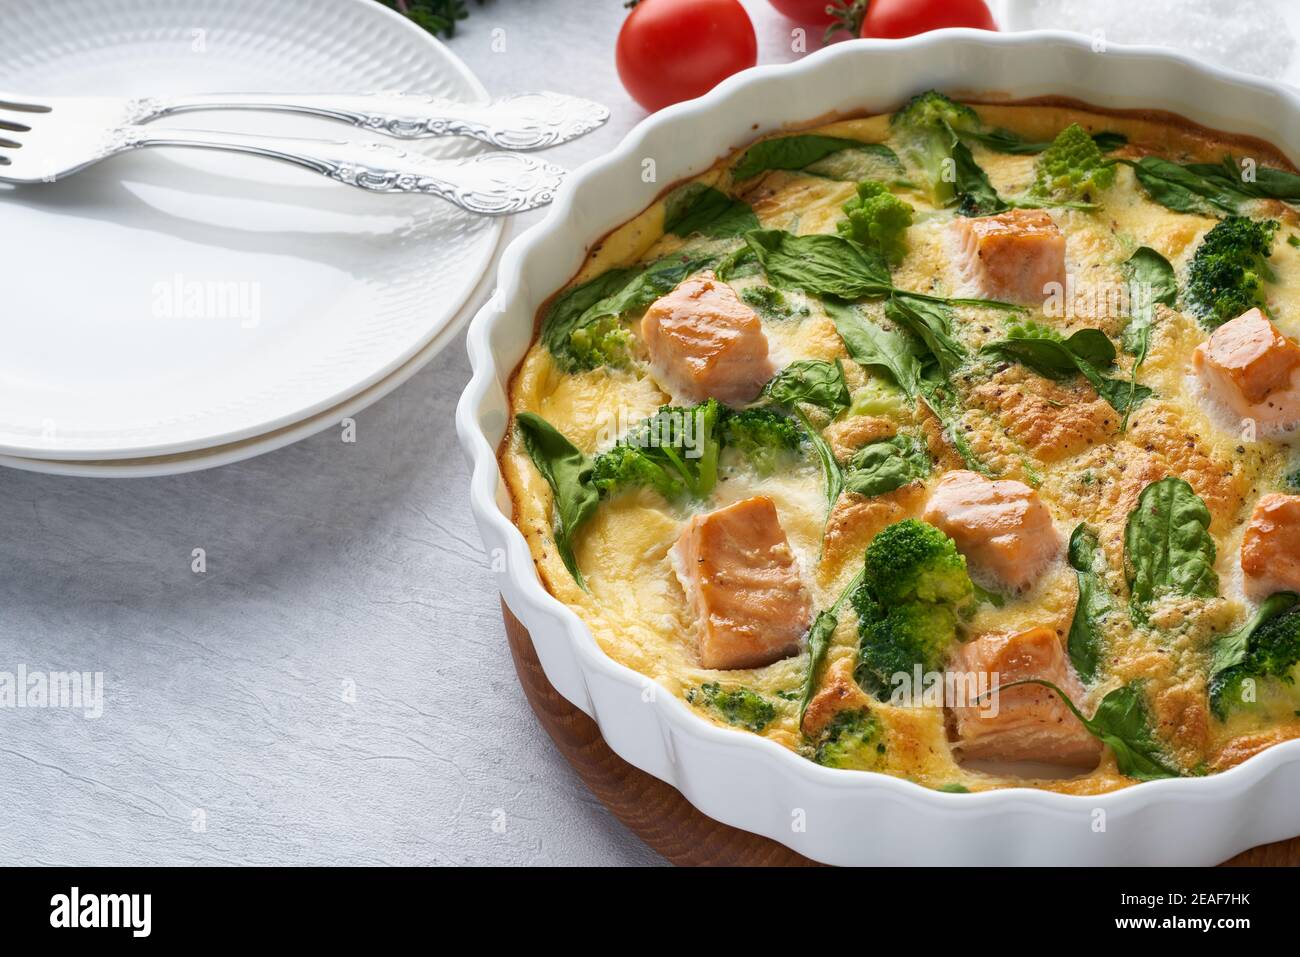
524 121
42 146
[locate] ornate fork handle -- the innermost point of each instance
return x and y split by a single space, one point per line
526 121
492 184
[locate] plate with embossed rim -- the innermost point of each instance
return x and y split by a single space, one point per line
168 301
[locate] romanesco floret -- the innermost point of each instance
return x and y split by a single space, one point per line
877 220
1073 167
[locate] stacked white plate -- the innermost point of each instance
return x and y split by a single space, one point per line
174 310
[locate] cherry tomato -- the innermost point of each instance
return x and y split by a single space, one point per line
805 11
674 50
892 19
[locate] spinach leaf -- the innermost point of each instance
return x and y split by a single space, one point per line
869 345
907 361
1122 723
805 149
568 472
1152 272
887 464
1108 140
819 641
1051 355
563 316
1005 141
1181 189
607 299
821 384
832 477
863 161
1265 646
975 192
830 265
1168 549
1266 182
736 264
820 264
1086 352
657 279
1089 564
813 381
696 208
1212 187
1151 281
932 322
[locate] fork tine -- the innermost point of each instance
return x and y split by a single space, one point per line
24 107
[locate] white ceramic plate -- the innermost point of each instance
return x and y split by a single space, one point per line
200 459
848 817
167 301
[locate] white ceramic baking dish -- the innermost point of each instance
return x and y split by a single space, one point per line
846 817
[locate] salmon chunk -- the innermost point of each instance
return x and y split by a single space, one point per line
1028 723
1270 550
1012 256
740 576
1003 528
705 343
1251 369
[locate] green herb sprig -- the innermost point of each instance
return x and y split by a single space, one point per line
439 17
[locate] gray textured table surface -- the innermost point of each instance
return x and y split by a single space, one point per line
336 687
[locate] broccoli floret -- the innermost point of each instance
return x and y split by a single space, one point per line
739 706
1227 272
764 436
925 130
877 220
602 343
894 639
772 303
626 467
682 443
880 397
1073 167
912 586
1272 655
854 740
913 560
